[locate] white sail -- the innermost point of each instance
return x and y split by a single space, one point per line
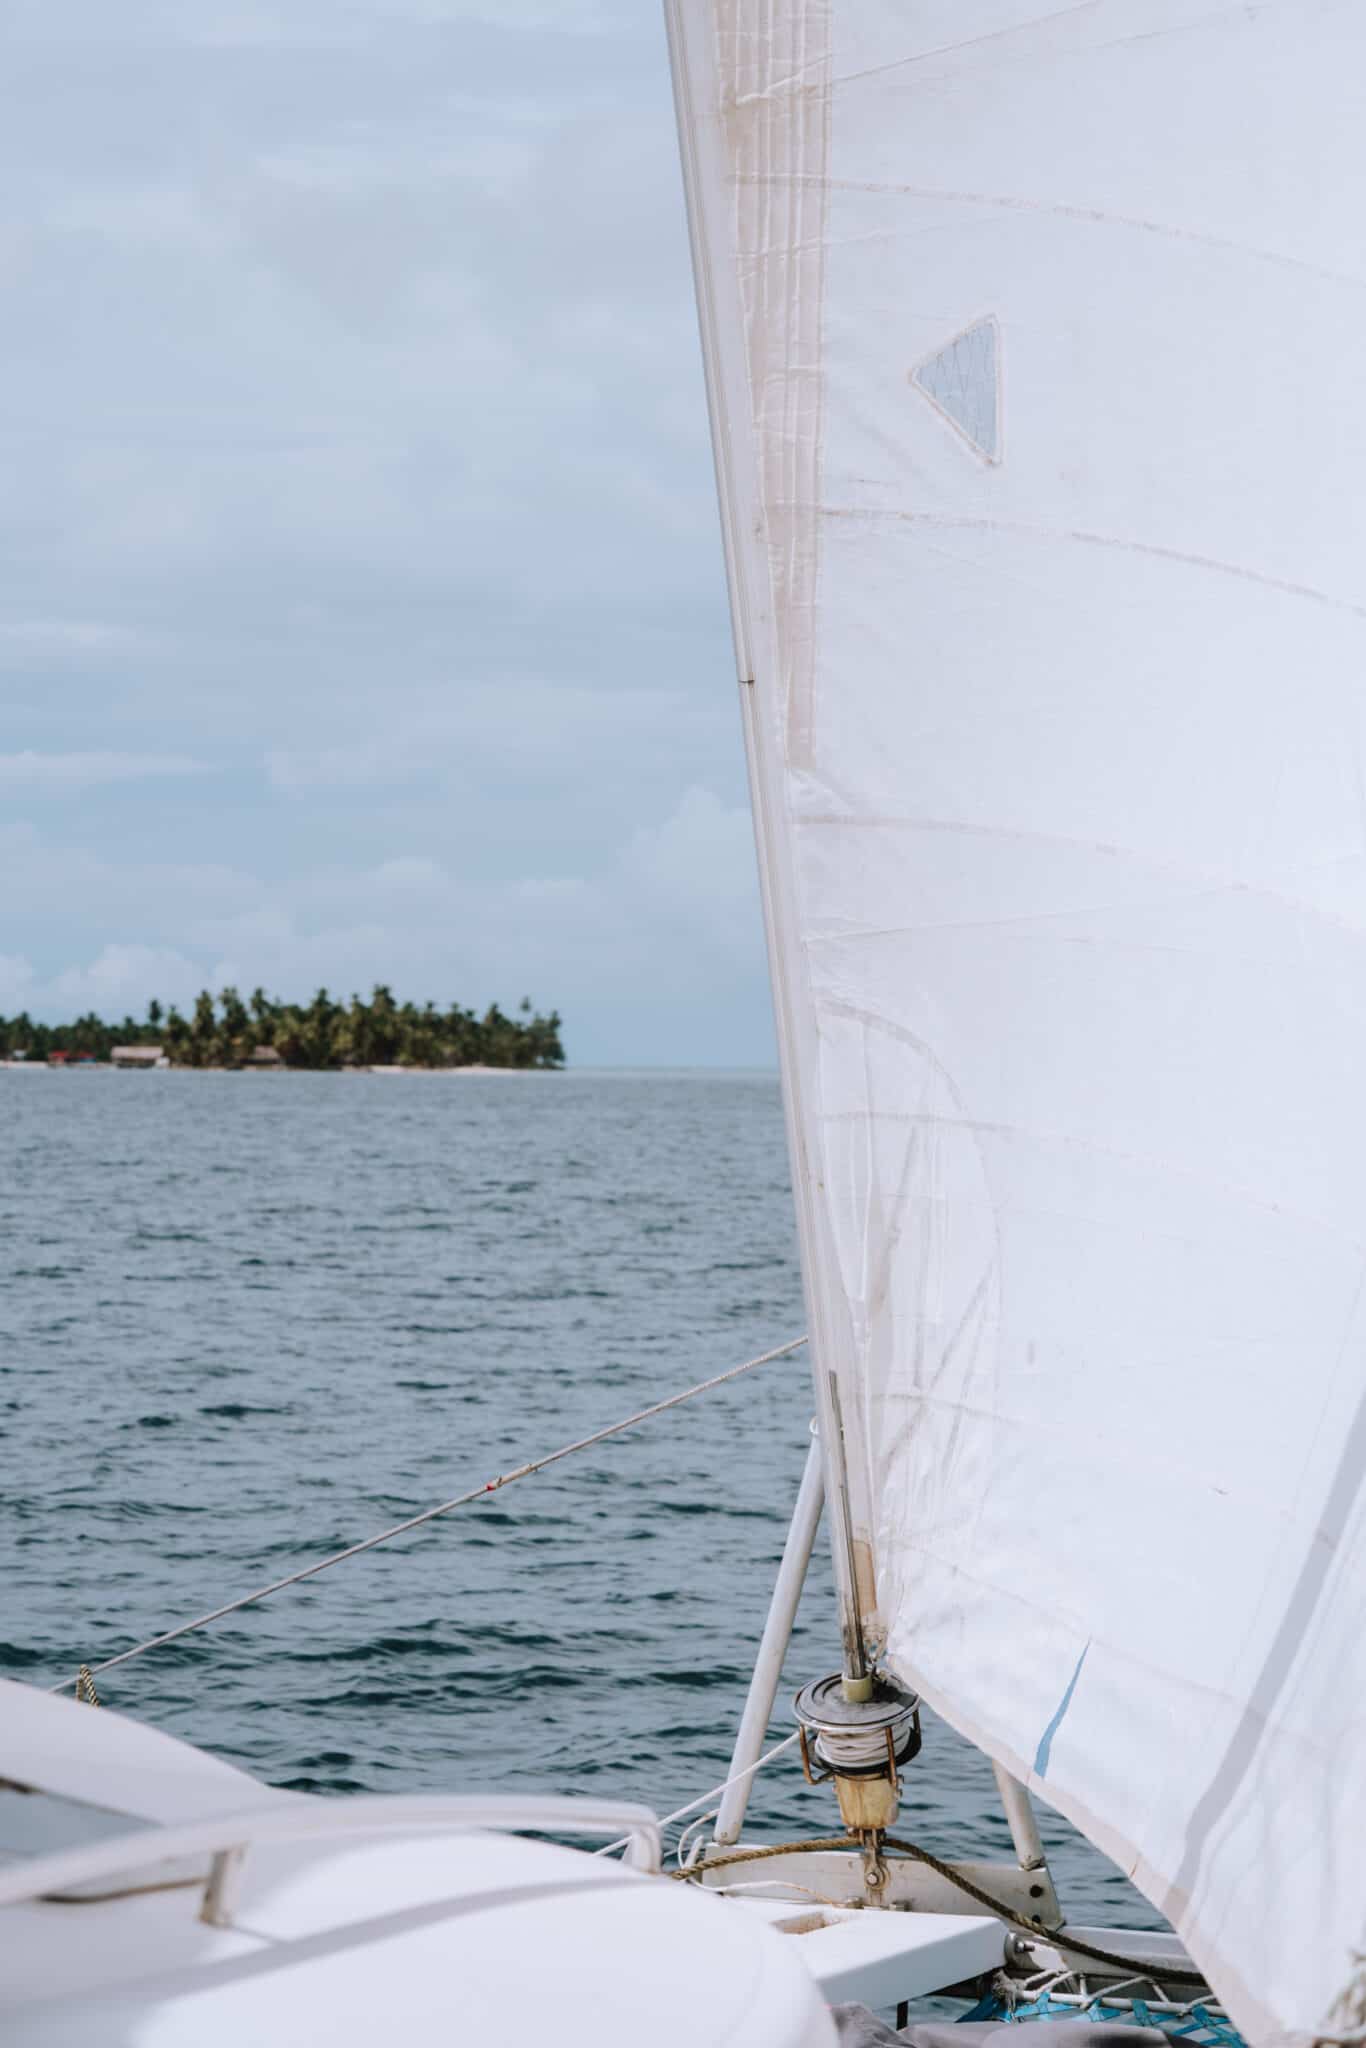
1035 350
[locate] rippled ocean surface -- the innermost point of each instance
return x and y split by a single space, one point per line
247 1319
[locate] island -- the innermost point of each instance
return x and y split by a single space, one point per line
262 1033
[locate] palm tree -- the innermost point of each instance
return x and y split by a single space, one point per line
236 1025
176 1039
324 1034
203 1031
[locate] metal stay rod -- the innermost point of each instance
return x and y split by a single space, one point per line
1024 1827
768 1665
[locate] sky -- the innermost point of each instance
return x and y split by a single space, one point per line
362 613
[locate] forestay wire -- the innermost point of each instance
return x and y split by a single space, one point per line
445 1507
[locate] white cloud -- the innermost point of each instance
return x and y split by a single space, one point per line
698 866
378 484
666 928
316 24
263 928
122 978
70 772
16 981
22 639
409 872
296 769
119 980
528 726
48 884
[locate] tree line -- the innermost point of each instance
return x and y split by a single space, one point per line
226 1031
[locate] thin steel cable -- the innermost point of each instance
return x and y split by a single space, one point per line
310 1571
693 1804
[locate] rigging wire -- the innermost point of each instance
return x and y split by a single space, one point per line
460 1500
85 1689
691 1872
715 1792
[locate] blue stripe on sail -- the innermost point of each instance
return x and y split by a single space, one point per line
1045 1748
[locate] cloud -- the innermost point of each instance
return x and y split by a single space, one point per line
370 593
409 872
526 730
122 978
54 888
22 639
311 24
665 931
16 981
297 769
71 772
118 981
698 867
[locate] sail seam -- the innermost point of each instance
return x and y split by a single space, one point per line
1022 529
1091 216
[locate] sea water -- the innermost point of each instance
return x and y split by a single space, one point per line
247 1319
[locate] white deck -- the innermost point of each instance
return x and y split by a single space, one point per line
879 1958
344 1922
357 1921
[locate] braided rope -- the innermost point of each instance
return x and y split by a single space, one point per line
1201 2020
1349 2013
912 1850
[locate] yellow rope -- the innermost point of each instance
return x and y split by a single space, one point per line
912 1852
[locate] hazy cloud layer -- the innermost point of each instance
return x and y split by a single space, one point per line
68 772
361 610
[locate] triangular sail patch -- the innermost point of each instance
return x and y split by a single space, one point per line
962 380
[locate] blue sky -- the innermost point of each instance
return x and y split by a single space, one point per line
361 603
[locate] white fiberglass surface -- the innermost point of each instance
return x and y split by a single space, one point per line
34 1823
411 1941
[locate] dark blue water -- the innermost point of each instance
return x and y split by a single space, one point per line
247 1319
